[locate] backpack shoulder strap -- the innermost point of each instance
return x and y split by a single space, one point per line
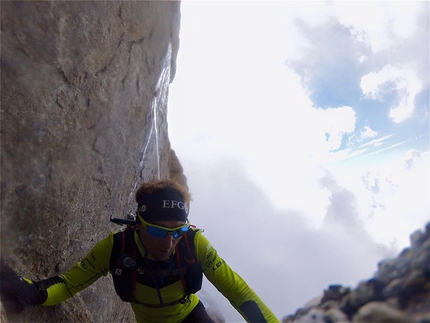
122 264
193 276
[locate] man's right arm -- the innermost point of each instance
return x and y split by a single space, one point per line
79 277
17 292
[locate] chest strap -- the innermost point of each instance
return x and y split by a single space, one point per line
183 300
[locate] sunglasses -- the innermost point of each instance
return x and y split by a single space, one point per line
160 232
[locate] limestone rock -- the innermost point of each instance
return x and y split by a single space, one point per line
84 89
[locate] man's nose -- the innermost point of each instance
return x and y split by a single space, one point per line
168 240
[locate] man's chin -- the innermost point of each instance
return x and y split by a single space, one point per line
161 256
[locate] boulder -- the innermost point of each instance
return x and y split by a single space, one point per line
398 292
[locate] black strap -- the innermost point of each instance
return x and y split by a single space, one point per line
123 276
252 312
179 301
163 273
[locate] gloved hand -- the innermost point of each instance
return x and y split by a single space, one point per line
16 292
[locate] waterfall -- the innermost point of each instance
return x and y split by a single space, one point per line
158 111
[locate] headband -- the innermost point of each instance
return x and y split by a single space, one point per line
162 205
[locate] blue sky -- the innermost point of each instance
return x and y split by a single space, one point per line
302 128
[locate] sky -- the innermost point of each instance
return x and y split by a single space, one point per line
303 130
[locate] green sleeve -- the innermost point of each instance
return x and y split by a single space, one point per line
82 275
230 284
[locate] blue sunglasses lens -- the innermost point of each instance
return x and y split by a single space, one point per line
161 233
180 232
156 232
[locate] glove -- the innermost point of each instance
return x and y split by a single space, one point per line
17 292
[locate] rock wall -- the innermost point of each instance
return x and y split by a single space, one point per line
84 88
398 292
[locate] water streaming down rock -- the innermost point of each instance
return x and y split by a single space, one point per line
156 124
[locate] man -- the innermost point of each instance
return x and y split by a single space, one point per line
156 263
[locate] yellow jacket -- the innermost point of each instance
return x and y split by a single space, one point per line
215 269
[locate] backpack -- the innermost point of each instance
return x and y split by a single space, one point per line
128 266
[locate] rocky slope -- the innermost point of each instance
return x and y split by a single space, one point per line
398 292
84 88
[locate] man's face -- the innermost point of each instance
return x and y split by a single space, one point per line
160 249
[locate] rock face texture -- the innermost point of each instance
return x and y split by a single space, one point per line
84 88
398 292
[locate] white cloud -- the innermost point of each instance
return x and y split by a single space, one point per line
392 80
376 142
277 252
336 122
392 198
367 132
410 157
290 191
380 24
